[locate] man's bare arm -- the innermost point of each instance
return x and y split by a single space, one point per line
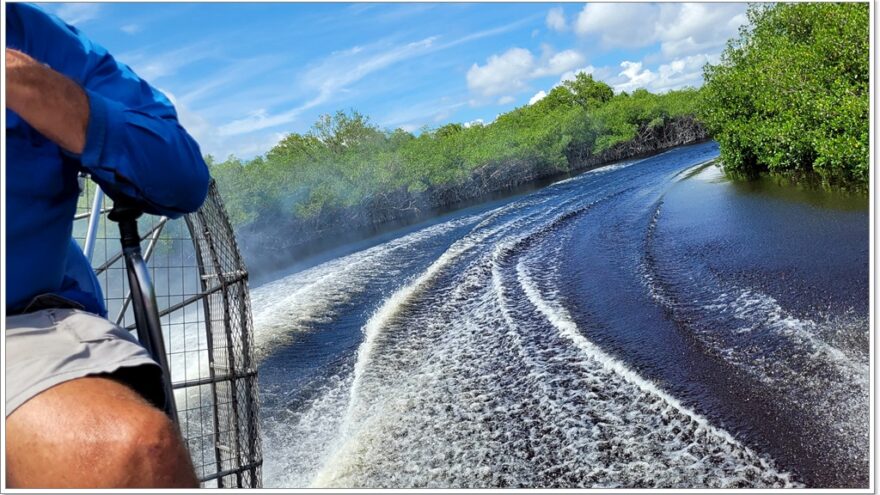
50 102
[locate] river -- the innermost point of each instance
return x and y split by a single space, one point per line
645 324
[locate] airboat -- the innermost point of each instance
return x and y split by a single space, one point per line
181 285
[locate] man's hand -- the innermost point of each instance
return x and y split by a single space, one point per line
50 102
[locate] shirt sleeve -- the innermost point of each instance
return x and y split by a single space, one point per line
135 145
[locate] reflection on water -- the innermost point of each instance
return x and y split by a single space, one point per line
776 187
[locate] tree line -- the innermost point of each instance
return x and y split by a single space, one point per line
345 160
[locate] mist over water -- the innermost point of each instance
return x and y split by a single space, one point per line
628 327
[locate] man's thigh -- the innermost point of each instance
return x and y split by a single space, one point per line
49 347
93 432
76 409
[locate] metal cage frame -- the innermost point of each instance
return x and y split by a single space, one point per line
207 322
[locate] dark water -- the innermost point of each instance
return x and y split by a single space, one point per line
648 324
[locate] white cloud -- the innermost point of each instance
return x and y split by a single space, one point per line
634 77
236 76
618 24
680 28
260 119
694 27
410 127
570 75
685 33
473 123
510 72
538 97
488 32
601 74
130 29
686 71
556 19
248 147
344 68
560 63
505 73
504 100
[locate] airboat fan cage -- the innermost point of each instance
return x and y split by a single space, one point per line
201 290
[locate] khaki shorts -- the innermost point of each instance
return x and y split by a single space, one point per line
52 346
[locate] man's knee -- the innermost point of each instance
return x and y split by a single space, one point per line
150 452
94 432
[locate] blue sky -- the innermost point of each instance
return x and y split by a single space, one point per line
243 75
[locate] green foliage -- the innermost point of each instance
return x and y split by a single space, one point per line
344 159
790 95
625 114
587 92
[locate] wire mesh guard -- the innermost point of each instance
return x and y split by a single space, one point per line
201 290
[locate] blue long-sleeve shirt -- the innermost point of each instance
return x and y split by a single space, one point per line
135 147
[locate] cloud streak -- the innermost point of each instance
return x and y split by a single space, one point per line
332 77
168 63
130 29
76 13
327 81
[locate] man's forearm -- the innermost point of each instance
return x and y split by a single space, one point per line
50 102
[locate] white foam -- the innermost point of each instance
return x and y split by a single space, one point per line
561 320
397 300
295 303
299 442
474 391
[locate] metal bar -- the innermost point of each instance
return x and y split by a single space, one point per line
227 472
147 254
87 214
230 353
146 311
207 381
237 275
113 259
146 314
94 219
107 264
250 396
191 299
206 309
246 328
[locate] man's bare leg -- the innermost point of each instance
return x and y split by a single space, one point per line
94 432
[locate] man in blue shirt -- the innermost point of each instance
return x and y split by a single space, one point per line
78 388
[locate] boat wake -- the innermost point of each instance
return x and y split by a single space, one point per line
474 372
